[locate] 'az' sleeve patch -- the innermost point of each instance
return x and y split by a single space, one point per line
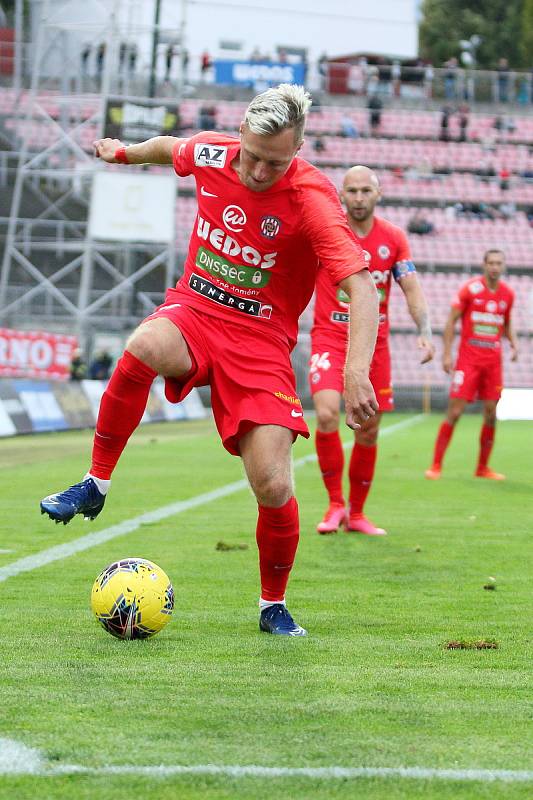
209 155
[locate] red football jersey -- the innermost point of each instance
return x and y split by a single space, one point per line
387 254
484 314
253 256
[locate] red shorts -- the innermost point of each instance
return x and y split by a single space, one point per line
252 381
326 371
481 380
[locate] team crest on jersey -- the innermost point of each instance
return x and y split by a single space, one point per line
492 306
383 251
270 226
476 287
209 155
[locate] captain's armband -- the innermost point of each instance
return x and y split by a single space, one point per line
402 268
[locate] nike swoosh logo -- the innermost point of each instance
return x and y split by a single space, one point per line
205 193
296 413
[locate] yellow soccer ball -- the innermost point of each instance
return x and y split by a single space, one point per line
132 598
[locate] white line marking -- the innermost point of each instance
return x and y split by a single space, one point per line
68 549
17 759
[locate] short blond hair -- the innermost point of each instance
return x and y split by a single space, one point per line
277 109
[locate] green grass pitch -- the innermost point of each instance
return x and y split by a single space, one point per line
371 686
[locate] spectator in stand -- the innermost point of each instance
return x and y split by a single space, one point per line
319 145
84 57
132 59
502 82
419 224
205 65
255 55
169 58
100 58
184 65
374 107
372 81
507 209
444 135
396 75
78 367
428 80
464 112
477 210
485 171
356 79
529 215
323 66
348 129
122 53
100 367
450 78
504 177
207 118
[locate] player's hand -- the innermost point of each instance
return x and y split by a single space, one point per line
447 364
514 353
428 347
359 400
106 149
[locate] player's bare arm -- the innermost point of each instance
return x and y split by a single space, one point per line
510 334
418 309
359 397
447 340
157 150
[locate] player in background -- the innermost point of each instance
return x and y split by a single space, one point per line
387 252
265 220
483 305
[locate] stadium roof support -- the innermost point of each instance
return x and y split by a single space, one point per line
54 275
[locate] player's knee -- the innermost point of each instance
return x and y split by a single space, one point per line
144 346
272 488
368 438
490 417
327 419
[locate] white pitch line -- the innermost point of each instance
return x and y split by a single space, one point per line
68 549
19 759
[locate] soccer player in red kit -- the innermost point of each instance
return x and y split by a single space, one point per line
265 219
483 305
387 252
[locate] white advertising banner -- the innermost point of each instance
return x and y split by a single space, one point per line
129 206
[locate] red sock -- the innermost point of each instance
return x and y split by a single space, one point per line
443 439
361 472
277 539
121 409
331 462
486 442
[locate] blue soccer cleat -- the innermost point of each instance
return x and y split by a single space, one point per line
82 498
276 619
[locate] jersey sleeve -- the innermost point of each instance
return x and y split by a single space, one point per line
510 305
460 301
324 223
183 157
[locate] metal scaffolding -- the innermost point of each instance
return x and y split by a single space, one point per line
54 275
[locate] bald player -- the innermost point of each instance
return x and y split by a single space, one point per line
387 253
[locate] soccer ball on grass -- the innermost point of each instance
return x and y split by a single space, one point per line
132 598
